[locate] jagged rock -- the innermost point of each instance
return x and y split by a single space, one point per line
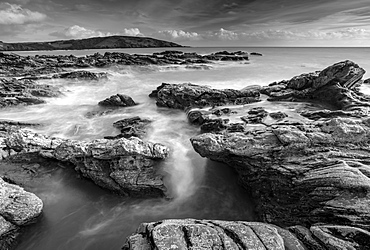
301 173
118 100
334 86
305 171
255 115
17 209
278 115
216 234
186 95
126 166
34 66
133 126
24 92
82 75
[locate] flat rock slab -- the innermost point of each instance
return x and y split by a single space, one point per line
216 234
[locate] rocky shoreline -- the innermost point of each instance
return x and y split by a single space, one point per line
308 170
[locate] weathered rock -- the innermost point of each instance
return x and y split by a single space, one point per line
334 86
255 115
216 234
186 95
40 66
17 209
301 173
278 115
207 234
82 75
119 100
126 166
24 92
133 126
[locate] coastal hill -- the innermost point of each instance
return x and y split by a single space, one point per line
109 42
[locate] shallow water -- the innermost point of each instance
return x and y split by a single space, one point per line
80 215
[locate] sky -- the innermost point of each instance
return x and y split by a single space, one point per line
192 22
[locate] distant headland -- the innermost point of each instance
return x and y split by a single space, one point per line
109 42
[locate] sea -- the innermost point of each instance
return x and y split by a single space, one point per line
78 215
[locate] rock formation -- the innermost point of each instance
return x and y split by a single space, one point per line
129 127
18 208
119 100
24 92
125 166
303 171
82 75
215 234
187 95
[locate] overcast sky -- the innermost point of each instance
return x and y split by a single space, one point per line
192 22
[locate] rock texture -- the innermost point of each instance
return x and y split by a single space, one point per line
310 168
215 234
82 75
335 85
119 100
41 66
24 92
129 127
187 95
17 209
125 166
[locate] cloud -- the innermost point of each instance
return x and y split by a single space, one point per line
177 35
15 14
132 32
345 34
76 31
270 36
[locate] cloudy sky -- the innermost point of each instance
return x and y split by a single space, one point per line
192 22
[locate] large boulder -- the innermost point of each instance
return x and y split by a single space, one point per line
335 86
216 234
119 100
18 208
187 95
125 166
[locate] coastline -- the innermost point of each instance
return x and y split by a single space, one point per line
288 138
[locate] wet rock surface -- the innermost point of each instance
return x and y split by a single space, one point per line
187 95
307 169
24 92
118 100
33 66
125 166
82 75
215 234
132 127
17 209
